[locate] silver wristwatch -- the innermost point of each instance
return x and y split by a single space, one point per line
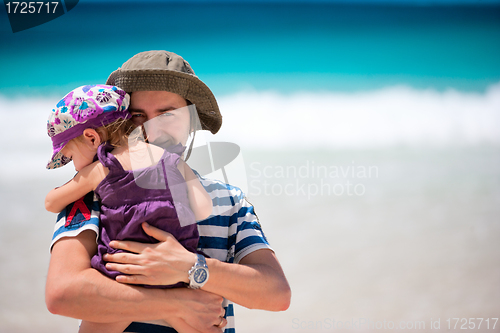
198 274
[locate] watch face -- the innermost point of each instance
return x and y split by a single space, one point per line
200 275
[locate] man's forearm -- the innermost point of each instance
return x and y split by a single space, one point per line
96 298
76 290
258 282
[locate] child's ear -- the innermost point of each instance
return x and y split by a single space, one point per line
91 137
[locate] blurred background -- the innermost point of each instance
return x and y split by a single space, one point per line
369 133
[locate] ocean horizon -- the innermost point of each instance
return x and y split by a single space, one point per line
280 46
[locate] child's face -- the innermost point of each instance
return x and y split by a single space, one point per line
81 153
172 127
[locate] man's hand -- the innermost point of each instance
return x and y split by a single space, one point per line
199 309
256 282
163 263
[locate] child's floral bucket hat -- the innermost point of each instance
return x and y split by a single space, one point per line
85 107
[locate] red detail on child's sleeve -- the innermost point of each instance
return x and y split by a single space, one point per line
78 205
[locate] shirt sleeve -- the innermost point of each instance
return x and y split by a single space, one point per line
233 230
249 236
79 216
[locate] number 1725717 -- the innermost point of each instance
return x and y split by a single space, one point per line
471 323
31 7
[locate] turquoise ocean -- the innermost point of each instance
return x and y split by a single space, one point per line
370 147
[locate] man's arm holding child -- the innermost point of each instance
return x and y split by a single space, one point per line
74 289
256 282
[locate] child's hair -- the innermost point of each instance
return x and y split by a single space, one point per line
116 133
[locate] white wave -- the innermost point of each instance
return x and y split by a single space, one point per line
26 147
387 117
267 120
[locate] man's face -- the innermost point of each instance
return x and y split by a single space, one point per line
171 124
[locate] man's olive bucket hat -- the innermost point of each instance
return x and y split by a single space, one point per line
167 71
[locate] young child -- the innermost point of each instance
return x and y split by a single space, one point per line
159 188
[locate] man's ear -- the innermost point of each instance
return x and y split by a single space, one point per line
91 138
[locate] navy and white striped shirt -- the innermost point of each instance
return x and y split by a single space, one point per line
229 234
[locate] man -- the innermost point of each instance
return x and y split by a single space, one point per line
242 267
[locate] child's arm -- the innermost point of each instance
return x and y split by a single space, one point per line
85 181
199 200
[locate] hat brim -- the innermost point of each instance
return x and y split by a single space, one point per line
186 85
58 159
